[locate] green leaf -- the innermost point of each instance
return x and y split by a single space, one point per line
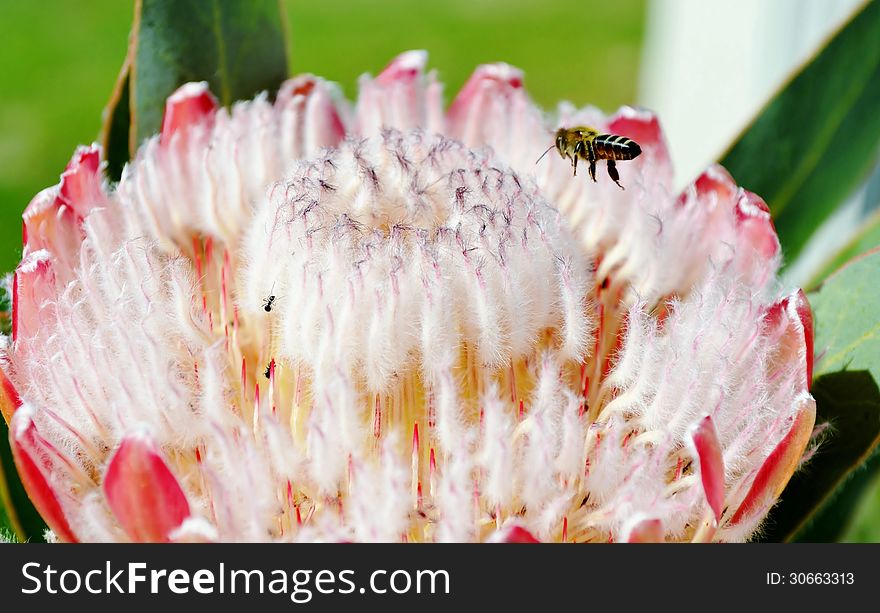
819 501
238 47
115 134
5 307
817 138
867 238
864 527
17 515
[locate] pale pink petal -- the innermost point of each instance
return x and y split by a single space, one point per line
777 469
191 104
758 242
309 119
35 464
705 440
54 228
648 530
143 493
400 97
194 530
492 89
33 286
730 226
53 219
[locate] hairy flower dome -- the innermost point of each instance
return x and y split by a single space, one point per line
299 320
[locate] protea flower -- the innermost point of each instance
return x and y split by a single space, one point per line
301 321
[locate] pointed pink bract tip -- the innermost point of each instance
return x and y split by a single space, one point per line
801 306
311 95
143 493
640 125
299 87
755 225
486 82
793 316
705 440
405 67
714 181
189 105
81 181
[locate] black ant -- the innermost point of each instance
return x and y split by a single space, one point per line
267 302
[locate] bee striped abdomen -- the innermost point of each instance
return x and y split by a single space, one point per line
615 147
586 144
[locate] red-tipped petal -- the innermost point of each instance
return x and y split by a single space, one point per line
34 463
705 439
646 531
777 469
81 181
191 104
713 186
790 324
52 218
640 125
488 82
801 307
9 399
310 119
513 534
143 493
50 224
755 226
396 98
405 68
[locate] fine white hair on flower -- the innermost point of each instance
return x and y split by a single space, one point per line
363 246
290 321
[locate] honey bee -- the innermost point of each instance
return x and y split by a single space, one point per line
590 146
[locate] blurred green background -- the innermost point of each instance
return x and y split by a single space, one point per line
59 61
